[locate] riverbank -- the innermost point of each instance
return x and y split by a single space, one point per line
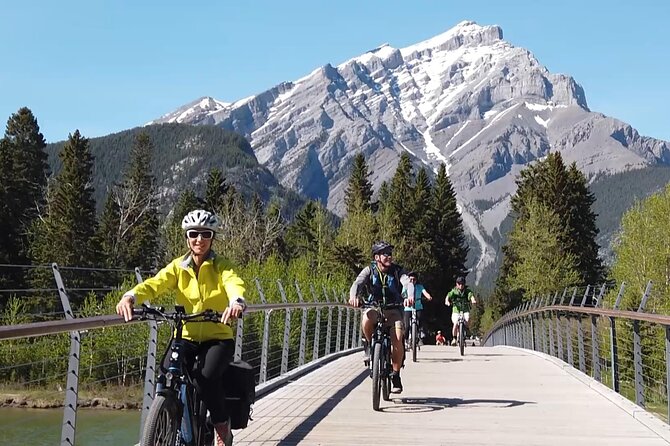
104 398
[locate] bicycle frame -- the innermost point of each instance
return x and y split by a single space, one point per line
461 332
176 384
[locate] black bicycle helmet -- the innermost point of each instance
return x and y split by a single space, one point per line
460 279
413 274
381 247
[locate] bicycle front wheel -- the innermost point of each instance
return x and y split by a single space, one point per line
414 341
161 426
376 375
461 338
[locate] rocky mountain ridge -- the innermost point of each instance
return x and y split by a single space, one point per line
466 98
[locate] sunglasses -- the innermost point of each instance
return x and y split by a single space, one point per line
386 254
206 235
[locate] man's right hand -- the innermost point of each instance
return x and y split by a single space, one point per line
354 302
125 307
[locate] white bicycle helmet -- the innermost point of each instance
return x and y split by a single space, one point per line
200 219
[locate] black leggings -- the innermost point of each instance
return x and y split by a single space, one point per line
212 358
408 322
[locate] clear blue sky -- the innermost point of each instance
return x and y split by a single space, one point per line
106 66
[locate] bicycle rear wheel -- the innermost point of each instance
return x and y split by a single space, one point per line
461 337
376 374
161 426
414 340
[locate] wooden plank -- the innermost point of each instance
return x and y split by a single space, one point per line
490 396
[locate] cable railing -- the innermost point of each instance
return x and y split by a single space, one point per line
290 331
626 350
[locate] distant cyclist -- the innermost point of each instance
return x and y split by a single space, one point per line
459 298
439 338
419 292
382 282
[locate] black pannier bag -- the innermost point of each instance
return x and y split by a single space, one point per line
239 382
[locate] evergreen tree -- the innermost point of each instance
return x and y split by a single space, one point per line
398 222
450 247
108 233
66 234
541 265
138 206
216 191
584 229
384 216
358 194
420 237
9 246
358 230
312 233
564 193
129 224
175 243
23 160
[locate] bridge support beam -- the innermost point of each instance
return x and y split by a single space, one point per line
69 426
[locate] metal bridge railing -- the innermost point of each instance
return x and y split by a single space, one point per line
627 350
308 326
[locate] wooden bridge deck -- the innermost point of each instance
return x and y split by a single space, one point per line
491 396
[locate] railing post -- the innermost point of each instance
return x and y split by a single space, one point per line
266 336
287 331
572 299
150 370
346 329
239 338
599 300
303 328
550 327
559 337
614 350
595 351
545 347
317 325
637 350
330 322
580 333
355 334
338 336
568 340
637 361
69 427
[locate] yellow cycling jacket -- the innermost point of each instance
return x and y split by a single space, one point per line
216 287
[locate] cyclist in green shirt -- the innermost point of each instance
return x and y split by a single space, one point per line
459 298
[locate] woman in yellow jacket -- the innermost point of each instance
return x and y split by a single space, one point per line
202 280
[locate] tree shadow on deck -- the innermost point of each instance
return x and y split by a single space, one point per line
432 404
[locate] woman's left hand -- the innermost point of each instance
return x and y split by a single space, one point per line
232 313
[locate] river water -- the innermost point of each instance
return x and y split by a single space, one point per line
95 427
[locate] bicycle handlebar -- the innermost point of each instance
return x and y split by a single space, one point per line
380 306
148 312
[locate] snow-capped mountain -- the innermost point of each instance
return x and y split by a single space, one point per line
465 97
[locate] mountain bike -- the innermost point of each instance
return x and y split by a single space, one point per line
177 416
380 356
461 332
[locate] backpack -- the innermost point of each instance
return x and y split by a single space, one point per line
392 282
239 382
